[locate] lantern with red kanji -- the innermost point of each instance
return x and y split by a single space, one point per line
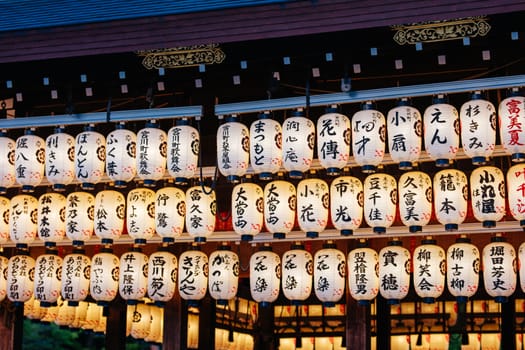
313 199
487 190
333 141
450 197
368 137
60 159
183 151
415 199
516 192
233 149
298 144
266 146
512 121
90 157
346 204
404 130
121 154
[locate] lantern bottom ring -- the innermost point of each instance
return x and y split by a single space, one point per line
150 183
233 179
393 301
347 232
489 223
72 303
333 171
265 304
295 174
246 238
279 235
328 304
368 169
518 157
442 163
428 300
379 229
415 228
28 188
501 299
120 184
88 186
363 302
479 160
312 234
59 187
461 299
132 302
3 190
265 176
405 165
181 180
451 227
199 240
168 239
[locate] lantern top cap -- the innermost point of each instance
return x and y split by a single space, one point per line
363 243
332 109
264 115
297 245
151 124
395 242
265 248
403 102
182 121
297 113
498 238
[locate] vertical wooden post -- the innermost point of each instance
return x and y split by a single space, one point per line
116 324
508 324
173 325
18 327
265 337
6 325
382 324
207 315
357 325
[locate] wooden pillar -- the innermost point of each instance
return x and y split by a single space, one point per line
175 324
207 315
116 324
508 324
265 338
357 325
6 325
382 324
18 327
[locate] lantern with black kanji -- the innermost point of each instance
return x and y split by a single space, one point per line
247 207
193 276
463 265
265 276
104 276
404 130
394 272
429 270
450 197
297 271
121 153
60 159
499 269
313 200
133 275
151 153
30 158
487 190
329 274
333 141
162 276
51 218
363 274
511 113
110 212
48 275
90 157
140 214
80 209
223 278
233 149
516 192
415 199
23 217
75 276
183 151
5 206
280 201
368 137
266 153
3 277
298 144
20 277
346 204
201 208
380 200
7 158
170 211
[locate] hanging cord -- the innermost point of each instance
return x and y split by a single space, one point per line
201 178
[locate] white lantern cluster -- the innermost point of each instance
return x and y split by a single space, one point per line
333 141
90 157
60 159
380 201
298 144
233 149
121 152
368 137
487 190
499 269
394 272
313 199
346 203
182 151
223 276
429 270
363 274
265 276
297 274
404 129
247 208
511 114
151 153
450 197
266 146
280 201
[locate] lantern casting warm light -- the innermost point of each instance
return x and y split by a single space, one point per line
90 157
183 151
30 157
48 275
329 274
265 276
415 200
463 264
429 270
368 137
151 153
346 204
380 199
404 130
201 210
487 190
233 149
51 218
5 206
60 159
170 212
162 276
450 198
313 199
512 120
140 214
298 144
133 275
516 192
193 276
280 201
110 212
103 283
75 277
333 141
23 219
363 274
7 159
266 146
80 209
20 277
297 270
499 269
247 206
394 272
223 278
121 151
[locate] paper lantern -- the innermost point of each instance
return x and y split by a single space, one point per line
80 314
450 197
110 212
223 280
329 274
429 270
368 137
193 276
80 210
133 275
265 276
247 210
404 130
487 190
380 194
65 315
7 159
121 154
162 276
156 325
478 128
279 207
48 274
516 192
266 152
363 274
93 314
183 151
51 218
20 278
415 199
346 204
60 159
521 264
201 209
141 321
233 149
75 277
499 269
23 219
333 141
394 272
511 113
140 214
298 144
104 276
30 158
297 270
90 157
463 263
3 277
5 206
151 157
170 212
313 199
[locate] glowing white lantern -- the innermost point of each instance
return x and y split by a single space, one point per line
279 207
363 274
233 149
368 137
201 209
404 130
511 121
5 206
394 272
60 159
140 214
487 190
65 315
80 208
429 270
51 218
313 199
104 274
380 193
48 274
151 158
265 276
183 151
75 277
415 199
450 197
463 262
298 144
162 276
170 211
521 264
193 276
499 269
3 277
247 210
141 321
133 275
478 128
90 157
329 274
80 314
92 319
516 192
121 153
441 124
23 219
266 149
223 280
20 278
7 159
110 212
333 141
157 324
30 158
346 204
297 270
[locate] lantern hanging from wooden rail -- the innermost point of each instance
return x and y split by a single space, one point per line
162 276
450 197
368 137
104 274
233 149
170 212
404 130
394 272
121 154
193 276
30 158
280 201
415 200
140 214
157 324
93 314
23 219
363 274
5 206
223 279
499 269
298 144
487 190
48 274
51 218
333 141
7 159
76 269
110 212
297 271
65 315
511 125
80 314
60 159
313 200
380 200
151 156
429 270
183 151
20 277
516 192
329 274
463 264
266 148
3 276
141 321
346 204
80 216
247 207
90 157
521 264
265 276
133 275
201 210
